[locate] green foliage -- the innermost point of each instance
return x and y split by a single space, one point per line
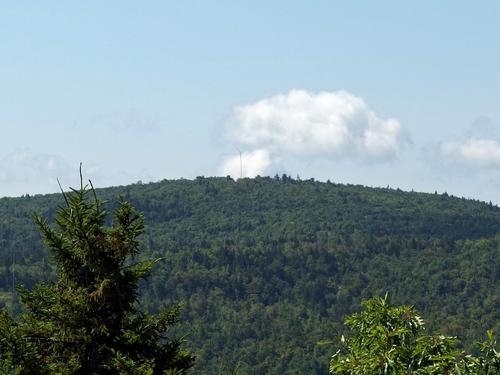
390 340
265 266
87 321
489 361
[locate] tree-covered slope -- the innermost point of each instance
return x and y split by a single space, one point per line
268 267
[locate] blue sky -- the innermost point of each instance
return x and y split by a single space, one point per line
405 94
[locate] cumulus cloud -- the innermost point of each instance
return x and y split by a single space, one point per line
477 152
251 164
310 125
23 166
478 147
23 171
327 123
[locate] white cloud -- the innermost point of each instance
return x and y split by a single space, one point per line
23 166
326 124
473 151
25 172
252 164
22 172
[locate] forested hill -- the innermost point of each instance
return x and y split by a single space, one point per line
267 267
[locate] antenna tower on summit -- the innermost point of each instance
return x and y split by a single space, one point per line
241 163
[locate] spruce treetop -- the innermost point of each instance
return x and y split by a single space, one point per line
88 322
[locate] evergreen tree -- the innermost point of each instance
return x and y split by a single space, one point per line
88 322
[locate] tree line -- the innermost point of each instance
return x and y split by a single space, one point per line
264 268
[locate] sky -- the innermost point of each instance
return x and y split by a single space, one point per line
379 93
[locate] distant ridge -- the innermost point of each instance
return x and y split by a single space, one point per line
267 267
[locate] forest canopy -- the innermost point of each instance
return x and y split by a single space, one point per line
268 267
